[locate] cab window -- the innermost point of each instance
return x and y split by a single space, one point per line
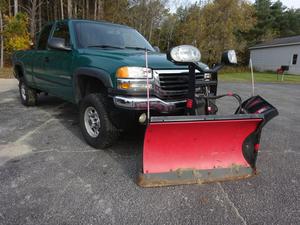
42 44
62 31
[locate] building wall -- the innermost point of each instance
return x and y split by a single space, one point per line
273 58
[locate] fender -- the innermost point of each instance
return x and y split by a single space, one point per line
27 78
100 74
21 65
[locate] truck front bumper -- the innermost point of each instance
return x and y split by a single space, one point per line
140 103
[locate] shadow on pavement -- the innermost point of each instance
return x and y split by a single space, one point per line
126 151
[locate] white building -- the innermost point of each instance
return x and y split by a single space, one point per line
271 55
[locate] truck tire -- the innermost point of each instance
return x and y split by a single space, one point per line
28 95
95 124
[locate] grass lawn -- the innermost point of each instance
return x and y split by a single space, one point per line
259 77
6 73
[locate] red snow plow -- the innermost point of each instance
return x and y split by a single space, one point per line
193 148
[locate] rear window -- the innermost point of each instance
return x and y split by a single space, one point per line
62 31
43 40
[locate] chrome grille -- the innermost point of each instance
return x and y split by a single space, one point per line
174 84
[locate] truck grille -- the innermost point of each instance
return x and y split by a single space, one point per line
174 85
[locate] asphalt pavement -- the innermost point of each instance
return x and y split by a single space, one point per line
49 175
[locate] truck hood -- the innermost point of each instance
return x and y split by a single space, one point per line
135 58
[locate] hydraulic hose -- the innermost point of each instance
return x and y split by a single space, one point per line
236 96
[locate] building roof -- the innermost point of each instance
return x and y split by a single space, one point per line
278 42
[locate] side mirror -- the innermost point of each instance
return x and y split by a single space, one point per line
58 44
229 58
184 54
156 48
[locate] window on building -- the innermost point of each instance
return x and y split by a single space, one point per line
295 58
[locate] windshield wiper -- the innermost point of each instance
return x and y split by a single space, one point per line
104 46
138 48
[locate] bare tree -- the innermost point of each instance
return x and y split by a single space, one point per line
87 9
83 9
100 9
95 10
2 42
75 9
54 13
62 9
16 7
70 8
32 15
9 8
33 9
40 15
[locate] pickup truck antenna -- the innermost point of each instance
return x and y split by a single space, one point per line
148 88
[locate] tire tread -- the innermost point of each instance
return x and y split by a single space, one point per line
111 132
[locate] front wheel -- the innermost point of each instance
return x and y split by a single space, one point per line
95 124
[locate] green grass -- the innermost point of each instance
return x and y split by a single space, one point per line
6 72
259 77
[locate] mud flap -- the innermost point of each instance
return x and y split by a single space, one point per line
201 149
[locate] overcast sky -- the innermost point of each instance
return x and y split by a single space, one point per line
175 3
291 3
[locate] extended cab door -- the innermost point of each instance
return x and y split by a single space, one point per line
40 60
59 64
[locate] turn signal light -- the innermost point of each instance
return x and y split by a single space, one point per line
122 72
134 73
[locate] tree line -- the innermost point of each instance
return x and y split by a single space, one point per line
211 25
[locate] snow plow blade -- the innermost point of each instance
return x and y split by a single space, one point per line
202 149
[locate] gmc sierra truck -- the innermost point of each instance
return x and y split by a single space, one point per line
101 67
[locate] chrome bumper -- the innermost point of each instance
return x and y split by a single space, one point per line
138 103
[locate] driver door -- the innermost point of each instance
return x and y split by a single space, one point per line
59 64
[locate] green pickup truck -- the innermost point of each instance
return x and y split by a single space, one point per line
101 67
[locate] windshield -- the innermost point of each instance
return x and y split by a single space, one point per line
109 36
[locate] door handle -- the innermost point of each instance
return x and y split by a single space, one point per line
47 59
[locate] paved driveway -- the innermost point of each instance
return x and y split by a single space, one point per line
48 175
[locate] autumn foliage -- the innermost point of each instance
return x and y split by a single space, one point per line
16 35
211 25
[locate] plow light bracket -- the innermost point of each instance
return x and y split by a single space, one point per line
190 55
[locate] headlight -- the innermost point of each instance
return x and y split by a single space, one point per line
184 54
207 76
134 72
132 85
